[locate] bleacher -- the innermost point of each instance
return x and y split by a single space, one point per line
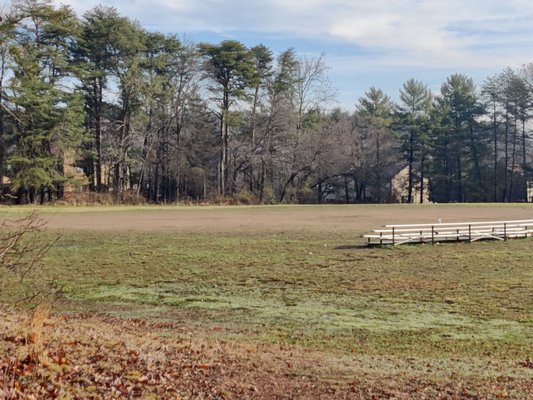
446 232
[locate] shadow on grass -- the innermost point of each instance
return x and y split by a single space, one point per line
358 246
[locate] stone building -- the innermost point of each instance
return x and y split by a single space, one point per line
400 187
75 179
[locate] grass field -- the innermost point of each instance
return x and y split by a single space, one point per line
444 315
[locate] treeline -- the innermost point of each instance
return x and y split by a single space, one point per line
97 104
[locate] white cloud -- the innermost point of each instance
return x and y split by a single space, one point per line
465 34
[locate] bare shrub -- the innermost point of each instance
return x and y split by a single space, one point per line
128 197
22 249
29 289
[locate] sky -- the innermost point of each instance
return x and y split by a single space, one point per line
366 43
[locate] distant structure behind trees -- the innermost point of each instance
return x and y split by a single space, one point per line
400 187
530 191
97 108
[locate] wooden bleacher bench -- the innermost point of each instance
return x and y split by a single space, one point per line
452 231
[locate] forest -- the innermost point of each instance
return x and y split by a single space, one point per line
97 108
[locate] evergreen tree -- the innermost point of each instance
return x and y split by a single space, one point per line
459 144
490 93
92 60
230 67
7 37
110 53
413 115
46 116
376 111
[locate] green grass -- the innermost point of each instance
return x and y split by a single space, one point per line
316 290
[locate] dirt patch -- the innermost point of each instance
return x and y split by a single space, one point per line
350 218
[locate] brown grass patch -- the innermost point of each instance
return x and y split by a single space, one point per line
97 357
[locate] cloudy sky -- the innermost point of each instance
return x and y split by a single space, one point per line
367 43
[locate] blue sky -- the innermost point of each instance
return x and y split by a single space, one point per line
366 43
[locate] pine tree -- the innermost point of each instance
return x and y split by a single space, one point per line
376 110
413 115
459 143
46 116
230 67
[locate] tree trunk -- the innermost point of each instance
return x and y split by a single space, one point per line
477 168
495 138
346 190
513 163
460 187
447 170
524 151
98 135
117 184
32 196
378 167
285 186
505 198
410 169
261 181
422 178
155 190
222 157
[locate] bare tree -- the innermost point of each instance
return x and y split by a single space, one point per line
307 92
313 88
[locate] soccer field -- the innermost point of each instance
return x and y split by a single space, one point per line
294 291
